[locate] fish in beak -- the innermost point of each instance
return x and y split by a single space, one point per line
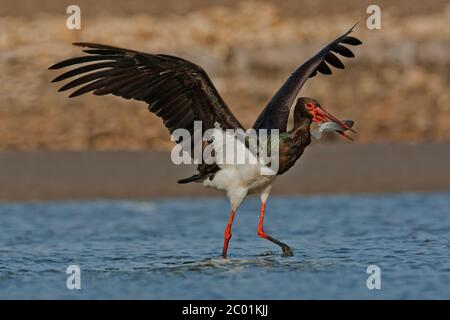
331 123
332 126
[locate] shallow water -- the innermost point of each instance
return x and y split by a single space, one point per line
171 248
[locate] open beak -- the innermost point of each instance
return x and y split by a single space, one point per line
322 115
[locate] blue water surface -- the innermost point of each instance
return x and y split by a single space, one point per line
170 249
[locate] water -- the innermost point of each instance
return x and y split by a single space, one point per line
171 248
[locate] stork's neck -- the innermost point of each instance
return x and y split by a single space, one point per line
302 128
299 138
293 143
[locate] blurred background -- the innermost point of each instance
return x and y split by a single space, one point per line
397 89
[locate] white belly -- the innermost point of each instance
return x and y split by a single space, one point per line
240 176
239 180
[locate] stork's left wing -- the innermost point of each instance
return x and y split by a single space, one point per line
276 114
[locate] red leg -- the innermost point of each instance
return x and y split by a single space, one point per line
286 250
261 232
228 234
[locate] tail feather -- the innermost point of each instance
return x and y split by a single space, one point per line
194 178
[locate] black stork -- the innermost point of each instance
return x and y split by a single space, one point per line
180 92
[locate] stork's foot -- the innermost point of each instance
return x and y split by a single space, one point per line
287 252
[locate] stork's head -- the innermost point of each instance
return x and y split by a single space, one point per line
311 108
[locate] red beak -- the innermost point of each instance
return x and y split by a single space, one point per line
321 114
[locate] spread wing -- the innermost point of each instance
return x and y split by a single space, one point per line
178 91
276 114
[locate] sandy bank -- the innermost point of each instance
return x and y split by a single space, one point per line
328 168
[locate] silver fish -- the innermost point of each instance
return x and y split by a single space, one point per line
331 126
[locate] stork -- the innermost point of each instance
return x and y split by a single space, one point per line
180 93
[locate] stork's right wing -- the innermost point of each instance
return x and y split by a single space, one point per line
177 90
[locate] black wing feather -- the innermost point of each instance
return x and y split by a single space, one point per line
343 51
352 41
78 60
84 69
334 61
323 68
